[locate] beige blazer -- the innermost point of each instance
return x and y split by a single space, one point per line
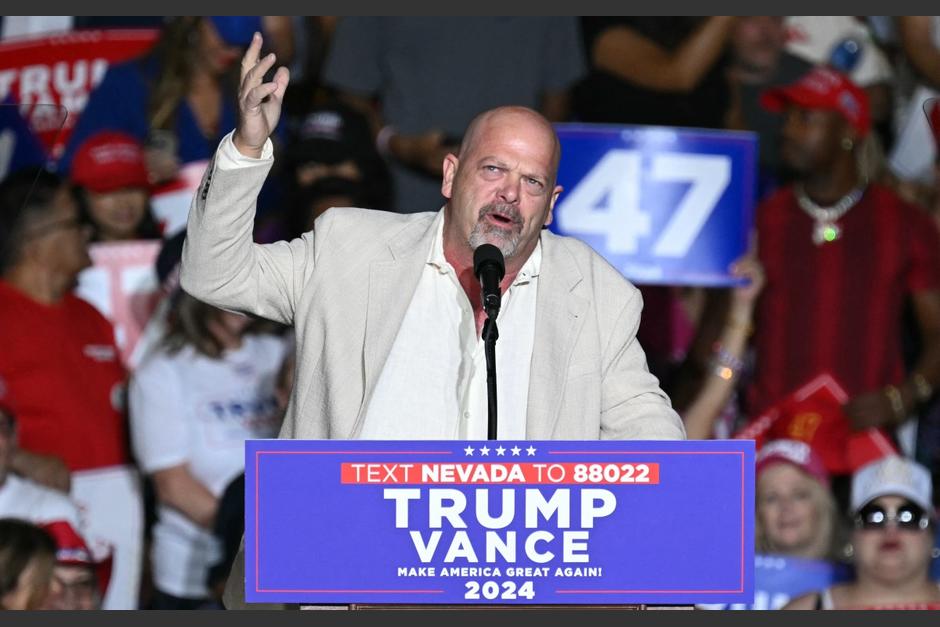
345 287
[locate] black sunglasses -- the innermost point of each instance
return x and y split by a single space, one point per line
909 517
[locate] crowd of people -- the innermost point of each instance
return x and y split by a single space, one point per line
121 482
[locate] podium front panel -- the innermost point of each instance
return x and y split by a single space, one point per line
506 523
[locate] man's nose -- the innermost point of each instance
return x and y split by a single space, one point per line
509 191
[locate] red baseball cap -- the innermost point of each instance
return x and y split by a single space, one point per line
796 453
71 550
823 88
109 161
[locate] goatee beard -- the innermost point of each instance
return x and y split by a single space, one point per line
505 239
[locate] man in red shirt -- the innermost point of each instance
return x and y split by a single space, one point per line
842 255
59 365
60 370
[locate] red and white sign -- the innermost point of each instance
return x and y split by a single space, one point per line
170 203
814 414
111 501
63 69
122 284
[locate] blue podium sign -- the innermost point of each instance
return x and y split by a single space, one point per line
529 522
663 205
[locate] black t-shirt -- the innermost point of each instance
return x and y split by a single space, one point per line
603 97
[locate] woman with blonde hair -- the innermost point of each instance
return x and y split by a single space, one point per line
178 99
796 513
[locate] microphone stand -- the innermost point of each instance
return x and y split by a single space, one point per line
490 335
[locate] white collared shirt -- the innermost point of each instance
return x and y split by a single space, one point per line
433 385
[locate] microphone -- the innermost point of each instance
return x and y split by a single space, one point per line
489 268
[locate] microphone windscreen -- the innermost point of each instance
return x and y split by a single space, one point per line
488 254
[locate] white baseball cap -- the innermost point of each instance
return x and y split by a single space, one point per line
895 476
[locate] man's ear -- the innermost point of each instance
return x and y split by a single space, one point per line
850 136
451 163
551 204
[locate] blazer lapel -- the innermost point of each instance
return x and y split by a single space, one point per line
392 283
560 314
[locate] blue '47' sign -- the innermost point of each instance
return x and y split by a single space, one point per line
662 205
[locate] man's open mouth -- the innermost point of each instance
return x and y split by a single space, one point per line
500 218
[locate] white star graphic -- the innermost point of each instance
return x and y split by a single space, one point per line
500 450
484 450
530 451
515 451
469 451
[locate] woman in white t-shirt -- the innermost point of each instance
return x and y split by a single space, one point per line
193 403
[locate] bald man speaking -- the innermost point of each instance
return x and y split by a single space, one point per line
387 309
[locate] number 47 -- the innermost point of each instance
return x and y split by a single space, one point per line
617 178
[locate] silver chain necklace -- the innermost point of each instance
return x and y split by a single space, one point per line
825 228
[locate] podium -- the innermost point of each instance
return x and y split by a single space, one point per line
632 607
375 525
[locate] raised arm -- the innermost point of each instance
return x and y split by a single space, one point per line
221 264
727 354
918 45
633 57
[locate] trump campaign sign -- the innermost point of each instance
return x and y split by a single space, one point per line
62 69
503 522
123 286
663 205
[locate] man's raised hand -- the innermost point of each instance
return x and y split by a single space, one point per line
259 104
